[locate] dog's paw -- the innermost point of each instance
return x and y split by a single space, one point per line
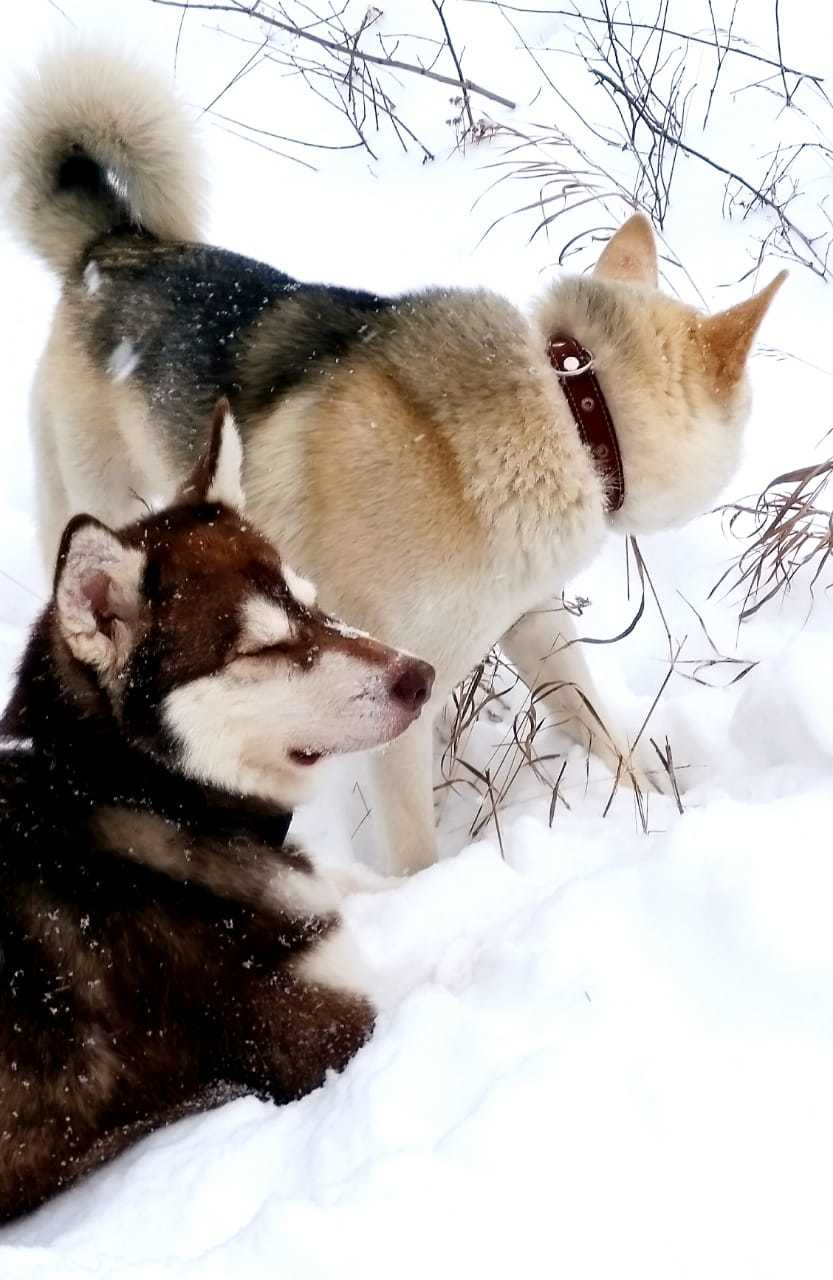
357 878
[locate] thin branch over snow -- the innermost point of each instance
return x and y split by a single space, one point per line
644 72
628 148
339 48
687 36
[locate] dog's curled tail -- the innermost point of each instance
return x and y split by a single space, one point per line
95 143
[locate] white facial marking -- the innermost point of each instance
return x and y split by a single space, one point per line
236 735
301 588
123 361
264 623
349 633
226 486
334 962
92 278
245 727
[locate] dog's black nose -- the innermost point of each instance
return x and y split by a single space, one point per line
412 683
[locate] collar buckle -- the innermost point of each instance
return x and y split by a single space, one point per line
566 363
575 368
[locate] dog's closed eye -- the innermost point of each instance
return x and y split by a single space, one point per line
265 628
254 650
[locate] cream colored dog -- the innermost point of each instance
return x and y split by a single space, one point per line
416 456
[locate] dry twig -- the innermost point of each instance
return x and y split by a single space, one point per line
339 48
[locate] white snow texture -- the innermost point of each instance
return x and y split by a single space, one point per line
600 1053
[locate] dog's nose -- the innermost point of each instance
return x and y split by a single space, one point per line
412 683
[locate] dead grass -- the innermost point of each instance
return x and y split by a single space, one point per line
521 754
789 534
524 751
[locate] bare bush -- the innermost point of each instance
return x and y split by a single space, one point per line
650 91
352 66
653 108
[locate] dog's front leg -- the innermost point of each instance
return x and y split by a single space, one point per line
286 1030
543 647
403 798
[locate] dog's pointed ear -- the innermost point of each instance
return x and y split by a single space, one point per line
97 594
630 254
216 477
728 336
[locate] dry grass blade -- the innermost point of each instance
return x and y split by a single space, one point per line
667 761
555 791
722 670
367 811
519 753
789 529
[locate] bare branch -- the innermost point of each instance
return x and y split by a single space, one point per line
787 94
338 48
648 26
439 5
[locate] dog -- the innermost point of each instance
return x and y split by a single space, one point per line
161 941
423 457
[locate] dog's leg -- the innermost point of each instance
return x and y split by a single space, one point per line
38 1161
54 1156
115 1141
541 645
286 1030
403 798
53 505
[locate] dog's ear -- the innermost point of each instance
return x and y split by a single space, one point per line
728 336
630 254
216 477
97 594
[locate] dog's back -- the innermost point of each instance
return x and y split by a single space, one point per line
189 323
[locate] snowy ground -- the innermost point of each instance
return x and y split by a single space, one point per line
603 1053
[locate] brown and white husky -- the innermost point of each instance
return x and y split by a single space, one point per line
417 456
161 941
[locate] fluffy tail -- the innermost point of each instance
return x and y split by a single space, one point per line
95 143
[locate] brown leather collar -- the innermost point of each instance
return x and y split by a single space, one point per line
574 365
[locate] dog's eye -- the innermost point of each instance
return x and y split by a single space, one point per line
260 650
266 628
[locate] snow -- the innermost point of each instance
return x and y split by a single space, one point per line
599 1052
123 360
92 278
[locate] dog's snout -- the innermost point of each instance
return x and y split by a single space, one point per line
412 683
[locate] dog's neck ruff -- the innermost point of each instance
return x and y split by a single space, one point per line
573 364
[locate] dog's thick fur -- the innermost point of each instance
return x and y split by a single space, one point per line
160 940
416 455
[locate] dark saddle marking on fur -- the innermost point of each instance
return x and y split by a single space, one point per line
574 365
204 322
